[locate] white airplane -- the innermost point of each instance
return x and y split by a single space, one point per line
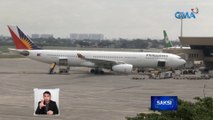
122 62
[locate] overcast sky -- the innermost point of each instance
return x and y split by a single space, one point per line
113 18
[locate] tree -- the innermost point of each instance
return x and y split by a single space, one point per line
202 109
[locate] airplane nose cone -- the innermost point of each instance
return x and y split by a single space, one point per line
183 62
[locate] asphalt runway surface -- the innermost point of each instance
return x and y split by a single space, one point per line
84 96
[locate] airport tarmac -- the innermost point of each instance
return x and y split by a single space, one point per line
85 96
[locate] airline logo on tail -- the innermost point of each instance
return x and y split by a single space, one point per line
167 41
21 40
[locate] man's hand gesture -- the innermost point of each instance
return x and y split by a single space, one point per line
41 105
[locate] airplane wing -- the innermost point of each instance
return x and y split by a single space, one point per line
19 51
15 51
104 63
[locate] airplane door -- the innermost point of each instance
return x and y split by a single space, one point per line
161 63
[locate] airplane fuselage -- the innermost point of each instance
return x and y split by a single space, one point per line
137 59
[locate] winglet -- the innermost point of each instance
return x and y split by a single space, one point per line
20 40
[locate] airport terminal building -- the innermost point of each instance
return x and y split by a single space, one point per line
201 50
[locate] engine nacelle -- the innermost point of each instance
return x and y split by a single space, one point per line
123 68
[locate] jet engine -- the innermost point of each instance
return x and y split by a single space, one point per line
123 68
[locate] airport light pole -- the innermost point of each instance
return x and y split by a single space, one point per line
181 27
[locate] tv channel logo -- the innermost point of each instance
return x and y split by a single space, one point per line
187 15
164 103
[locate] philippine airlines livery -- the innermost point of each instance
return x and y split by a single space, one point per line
122 62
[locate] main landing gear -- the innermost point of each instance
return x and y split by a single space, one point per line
97 71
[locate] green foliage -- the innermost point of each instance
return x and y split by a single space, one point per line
201 109
121 43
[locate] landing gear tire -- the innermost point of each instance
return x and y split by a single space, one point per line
101 72
92 71
96 71
63 71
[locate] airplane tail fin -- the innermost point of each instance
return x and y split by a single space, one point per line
168 43
20 40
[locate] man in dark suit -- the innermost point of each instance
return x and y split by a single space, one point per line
47 106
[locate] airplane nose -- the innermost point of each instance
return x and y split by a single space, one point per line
183 62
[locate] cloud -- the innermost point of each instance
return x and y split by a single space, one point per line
114 18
